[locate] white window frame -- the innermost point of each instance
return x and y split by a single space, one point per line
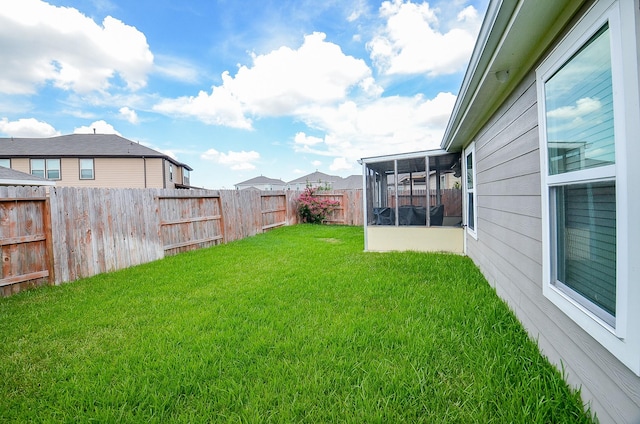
472 230
623 338
93 170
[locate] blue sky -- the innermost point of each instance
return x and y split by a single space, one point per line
238 89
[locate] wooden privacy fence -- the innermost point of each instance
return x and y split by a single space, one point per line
59 234
99 230
188 223
350 210
25 239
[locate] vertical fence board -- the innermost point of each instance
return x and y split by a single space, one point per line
23 239
189 220
98 230
273 209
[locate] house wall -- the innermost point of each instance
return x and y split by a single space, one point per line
20 164
508 250
108 172
168 180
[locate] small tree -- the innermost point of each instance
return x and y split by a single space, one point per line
312 209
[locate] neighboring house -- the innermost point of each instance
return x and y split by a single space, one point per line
547 122
93 160
352 182
315 179
262 183
11 177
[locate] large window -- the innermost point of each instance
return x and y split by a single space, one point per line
582 101
581 157
46 168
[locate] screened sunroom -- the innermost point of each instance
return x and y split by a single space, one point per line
413 201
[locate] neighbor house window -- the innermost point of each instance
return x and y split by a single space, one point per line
38 167
185 176
170 172
582 136
86 169
5 163
470 190
53 169
46 168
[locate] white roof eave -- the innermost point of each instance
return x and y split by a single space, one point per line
513 36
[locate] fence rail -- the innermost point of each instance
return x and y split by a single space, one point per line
60 234
25 239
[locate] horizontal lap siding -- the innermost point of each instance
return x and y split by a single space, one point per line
509 252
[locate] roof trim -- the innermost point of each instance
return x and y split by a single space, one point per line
80 146
513 37
400 156
12 182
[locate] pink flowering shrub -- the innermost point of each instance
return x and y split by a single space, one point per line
312 209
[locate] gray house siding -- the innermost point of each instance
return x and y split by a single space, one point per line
508 251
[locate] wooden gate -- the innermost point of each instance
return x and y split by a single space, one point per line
274 210
337 215
25 240
189 222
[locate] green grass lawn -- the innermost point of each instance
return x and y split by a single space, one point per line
297 325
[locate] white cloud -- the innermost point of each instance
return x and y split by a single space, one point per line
176 69
221 107
360 8
341 164
412 42
27 127
306 140
279 83
44 43
316 163
129 114
384 126
238 161
582 107
100 127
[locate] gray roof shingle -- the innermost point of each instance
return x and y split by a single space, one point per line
262 180
352 182
315 177
78 145
8 174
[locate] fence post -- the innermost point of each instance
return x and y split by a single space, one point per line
46 217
